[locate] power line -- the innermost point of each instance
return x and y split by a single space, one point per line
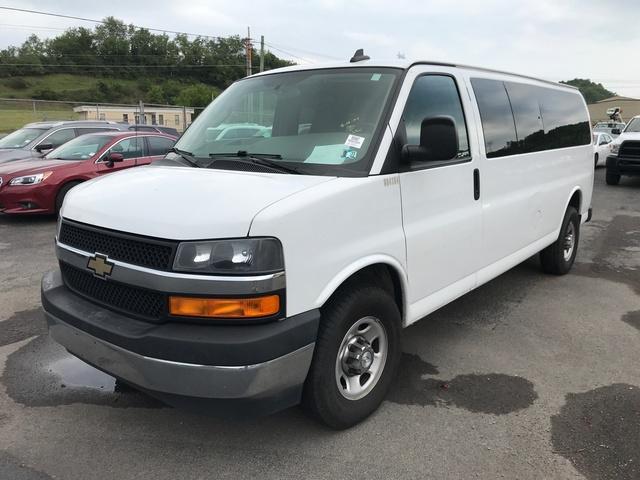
40 27
306 51
288 53
72 17
53 65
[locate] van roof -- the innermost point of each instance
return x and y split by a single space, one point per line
404 65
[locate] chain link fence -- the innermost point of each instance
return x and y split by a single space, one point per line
15 113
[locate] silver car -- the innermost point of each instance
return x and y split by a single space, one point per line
36 139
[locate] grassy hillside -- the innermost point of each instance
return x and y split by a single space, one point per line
78 88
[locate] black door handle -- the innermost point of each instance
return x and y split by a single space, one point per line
476 184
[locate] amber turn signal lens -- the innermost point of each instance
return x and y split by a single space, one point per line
224 307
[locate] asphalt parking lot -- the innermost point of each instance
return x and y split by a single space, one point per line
529 376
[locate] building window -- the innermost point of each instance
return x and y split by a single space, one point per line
125 117
153 119
102 116
137 118
161 119
177 119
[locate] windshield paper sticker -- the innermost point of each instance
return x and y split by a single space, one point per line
354 141
375 77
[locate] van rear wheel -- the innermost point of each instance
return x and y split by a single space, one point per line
558 257
356 356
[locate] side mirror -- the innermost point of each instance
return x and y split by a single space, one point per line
438 141
616 131
113 158
44 147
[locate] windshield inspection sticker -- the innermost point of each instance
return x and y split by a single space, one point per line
375 77
354 141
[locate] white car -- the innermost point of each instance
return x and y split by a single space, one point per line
612 128
601 147
284 270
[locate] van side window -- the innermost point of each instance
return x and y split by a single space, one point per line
565 120
520 118
498 125
527 115
430 96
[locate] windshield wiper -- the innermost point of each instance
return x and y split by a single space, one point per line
264 159
187 156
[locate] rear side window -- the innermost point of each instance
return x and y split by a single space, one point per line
565 120
435 95
499 127
130 148
527 118
159 145
60 137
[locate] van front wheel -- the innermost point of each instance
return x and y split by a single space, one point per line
356 356
558 257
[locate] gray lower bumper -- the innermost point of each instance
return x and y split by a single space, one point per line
185 379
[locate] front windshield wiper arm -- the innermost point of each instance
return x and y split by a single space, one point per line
264 159
187 156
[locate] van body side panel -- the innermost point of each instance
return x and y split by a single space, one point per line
525 196
329 231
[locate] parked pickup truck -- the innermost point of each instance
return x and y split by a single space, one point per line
624 156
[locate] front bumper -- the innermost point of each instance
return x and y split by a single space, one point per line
623 165
30 199
233 369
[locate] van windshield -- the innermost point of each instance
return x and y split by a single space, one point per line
322 122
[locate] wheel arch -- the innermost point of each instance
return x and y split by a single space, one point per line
379 269
574 200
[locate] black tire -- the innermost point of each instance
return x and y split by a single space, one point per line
596 161
612 178
555 259
322 397
62 193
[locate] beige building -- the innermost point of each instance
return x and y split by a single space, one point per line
175 117
629 107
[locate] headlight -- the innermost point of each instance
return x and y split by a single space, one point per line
614 147
30 179
254 256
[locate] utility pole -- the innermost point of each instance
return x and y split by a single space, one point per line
248 51
262 53
141 114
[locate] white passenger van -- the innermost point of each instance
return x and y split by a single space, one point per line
250 274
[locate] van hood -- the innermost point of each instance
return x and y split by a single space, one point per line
181 203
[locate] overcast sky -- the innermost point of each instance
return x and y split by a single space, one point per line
553 39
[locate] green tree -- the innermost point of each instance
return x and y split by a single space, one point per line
592 92
196 95
155 95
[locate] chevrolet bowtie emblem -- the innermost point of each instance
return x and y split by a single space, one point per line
100 266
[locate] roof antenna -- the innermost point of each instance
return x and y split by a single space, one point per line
359 56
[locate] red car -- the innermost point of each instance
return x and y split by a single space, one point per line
39 185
